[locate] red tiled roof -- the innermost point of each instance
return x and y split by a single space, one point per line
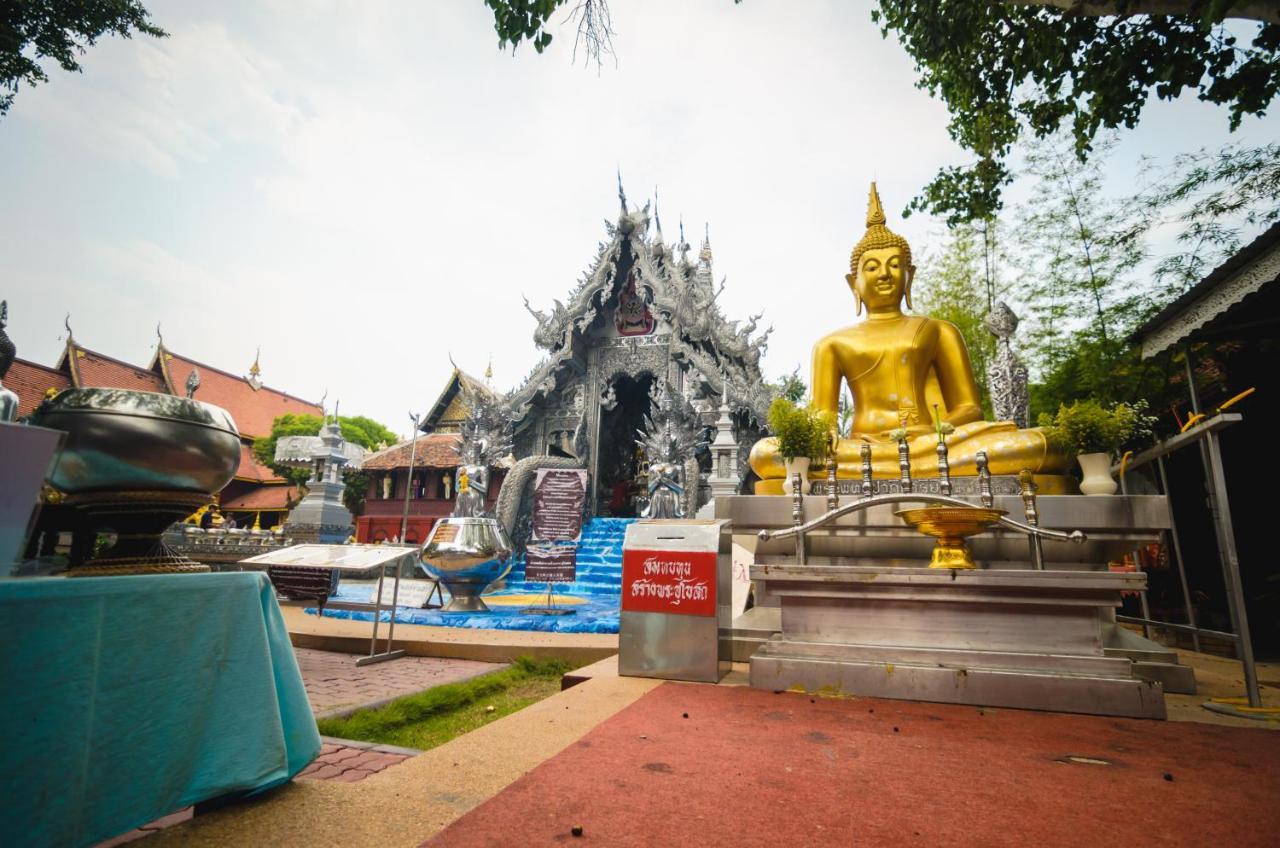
437 450
251 469
30 381
97 370
253 410
262 498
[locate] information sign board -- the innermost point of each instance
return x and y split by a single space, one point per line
558 495
413 593
551 564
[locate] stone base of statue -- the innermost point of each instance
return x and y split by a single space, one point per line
321 516
1016 638
864 615
318 534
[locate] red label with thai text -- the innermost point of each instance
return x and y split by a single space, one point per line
679 582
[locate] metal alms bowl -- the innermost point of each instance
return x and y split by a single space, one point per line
466 555
122 440
950 525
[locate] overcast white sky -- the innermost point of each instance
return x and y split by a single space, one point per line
363 187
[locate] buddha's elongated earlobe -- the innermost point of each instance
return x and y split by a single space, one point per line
853 289
906 289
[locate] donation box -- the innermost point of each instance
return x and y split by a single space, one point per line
672 601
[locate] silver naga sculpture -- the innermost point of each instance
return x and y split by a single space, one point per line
486 440
1007 376
672 436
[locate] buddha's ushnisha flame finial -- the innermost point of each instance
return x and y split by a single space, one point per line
875 212
878 235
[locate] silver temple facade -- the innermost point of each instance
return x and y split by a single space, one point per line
644 314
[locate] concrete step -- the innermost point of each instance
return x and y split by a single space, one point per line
1179 679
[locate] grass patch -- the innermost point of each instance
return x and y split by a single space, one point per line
427 719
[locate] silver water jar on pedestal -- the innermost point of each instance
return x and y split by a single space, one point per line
466 555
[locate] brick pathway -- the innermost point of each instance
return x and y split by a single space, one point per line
148 829
335 684
348 761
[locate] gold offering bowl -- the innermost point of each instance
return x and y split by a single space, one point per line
950 525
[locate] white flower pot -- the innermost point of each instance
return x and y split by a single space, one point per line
1097 474
799 465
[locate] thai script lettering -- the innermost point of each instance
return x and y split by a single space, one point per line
667 568
672 593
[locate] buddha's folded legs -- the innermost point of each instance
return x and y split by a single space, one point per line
1009 451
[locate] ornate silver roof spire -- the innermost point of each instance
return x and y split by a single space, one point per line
657 219
702 275
622 195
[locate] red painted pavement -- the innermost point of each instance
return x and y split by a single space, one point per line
751 768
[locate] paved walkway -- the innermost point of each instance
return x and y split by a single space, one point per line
723 765
335 684
347 761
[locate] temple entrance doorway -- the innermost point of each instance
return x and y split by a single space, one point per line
618 470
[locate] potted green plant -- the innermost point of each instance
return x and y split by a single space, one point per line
802 438
1094 434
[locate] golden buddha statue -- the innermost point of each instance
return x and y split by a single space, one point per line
902 371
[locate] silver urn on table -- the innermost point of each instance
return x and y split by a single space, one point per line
135 462
466 555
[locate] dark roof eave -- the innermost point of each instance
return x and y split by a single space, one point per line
1223 272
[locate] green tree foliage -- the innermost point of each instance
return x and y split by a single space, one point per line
1207 196
952 285
1004 68
34 30
366 432
1083 290
1090 427
800 432
1085 285
791 386
522 20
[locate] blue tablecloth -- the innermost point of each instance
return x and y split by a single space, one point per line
123 699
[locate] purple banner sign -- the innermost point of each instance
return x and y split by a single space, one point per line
558 495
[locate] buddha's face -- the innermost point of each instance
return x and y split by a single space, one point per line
883 276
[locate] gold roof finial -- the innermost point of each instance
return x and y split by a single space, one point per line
255 372
878 235
488 372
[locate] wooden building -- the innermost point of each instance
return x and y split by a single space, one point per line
435 467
